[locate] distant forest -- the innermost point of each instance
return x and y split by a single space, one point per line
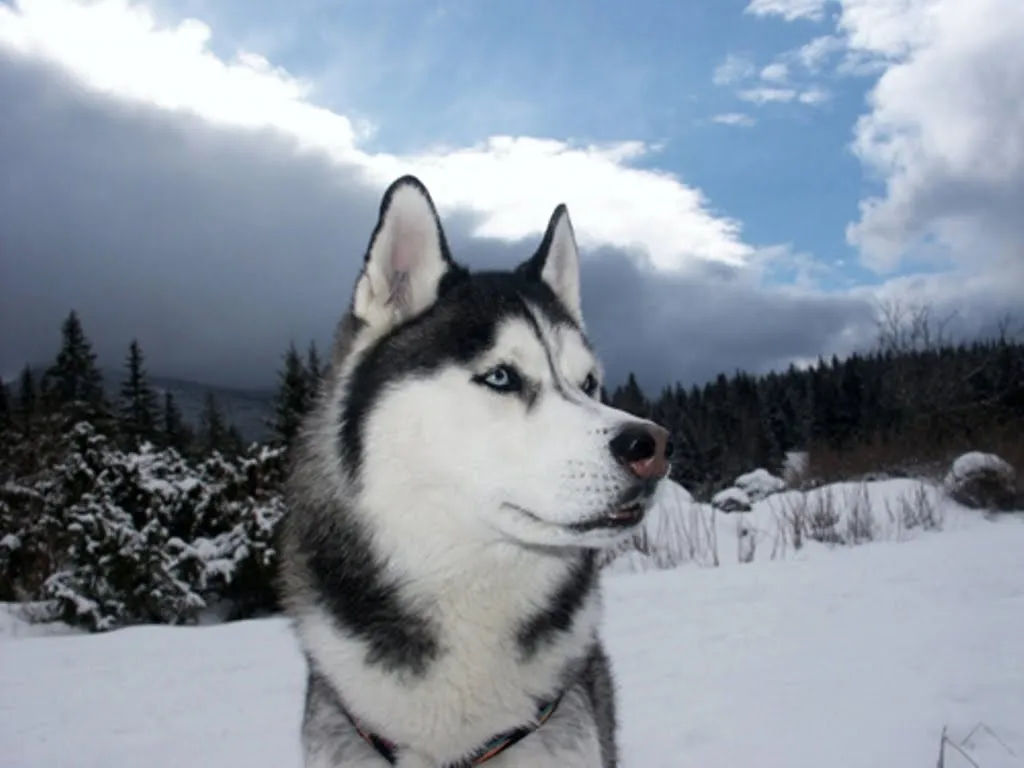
906 408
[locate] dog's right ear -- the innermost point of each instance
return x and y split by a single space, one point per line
406 260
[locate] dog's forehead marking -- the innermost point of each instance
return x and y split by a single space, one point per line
568 356
575 353
519 341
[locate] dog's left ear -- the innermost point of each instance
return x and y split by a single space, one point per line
557 262
407 258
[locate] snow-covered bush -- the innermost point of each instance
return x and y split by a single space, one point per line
119 568
983 481
124 537
731 500
29 542
760 484
236 543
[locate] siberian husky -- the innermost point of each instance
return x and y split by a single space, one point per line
448 496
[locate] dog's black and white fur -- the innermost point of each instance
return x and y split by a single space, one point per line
448 495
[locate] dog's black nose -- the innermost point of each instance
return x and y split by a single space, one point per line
644 449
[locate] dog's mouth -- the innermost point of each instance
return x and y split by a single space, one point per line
632 513
627 514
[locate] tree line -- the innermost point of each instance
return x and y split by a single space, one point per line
114 510
906 407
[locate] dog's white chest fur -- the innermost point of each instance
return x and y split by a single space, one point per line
480 684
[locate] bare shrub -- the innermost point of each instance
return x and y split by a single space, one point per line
918 509
708 527
860 516
746 540
965 746
824 518
795 469
790 513
796 520
911 454
780 542
677 531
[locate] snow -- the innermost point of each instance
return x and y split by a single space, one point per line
759 484
787 525
795 465
845 656
663 519
16 621
976 462
731 500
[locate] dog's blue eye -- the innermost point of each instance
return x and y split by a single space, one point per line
502 378
589 385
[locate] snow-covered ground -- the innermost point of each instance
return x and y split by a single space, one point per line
846 657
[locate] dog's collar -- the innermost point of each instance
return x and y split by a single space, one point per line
494 746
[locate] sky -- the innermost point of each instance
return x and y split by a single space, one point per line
749 180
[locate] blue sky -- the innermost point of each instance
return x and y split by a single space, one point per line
749 180
458 71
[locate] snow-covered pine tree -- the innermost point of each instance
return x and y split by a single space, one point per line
292 399
122 565
236 539
138 404
30 535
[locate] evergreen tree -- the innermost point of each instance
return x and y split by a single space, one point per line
138 405
73 384
235 441
293 397
215 434
28 398
314 370
174 432
6 411
630 398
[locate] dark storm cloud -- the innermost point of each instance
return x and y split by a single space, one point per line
215 247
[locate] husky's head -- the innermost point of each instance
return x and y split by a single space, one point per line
472 401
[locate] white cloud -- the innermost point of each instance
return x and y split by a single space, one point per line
815 95
790 10
735 118
776 72
895 30
944 130
117 47
861 64
813 55
768 95
733 69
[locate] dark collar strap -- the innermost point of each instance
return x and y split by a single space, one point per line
494 746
